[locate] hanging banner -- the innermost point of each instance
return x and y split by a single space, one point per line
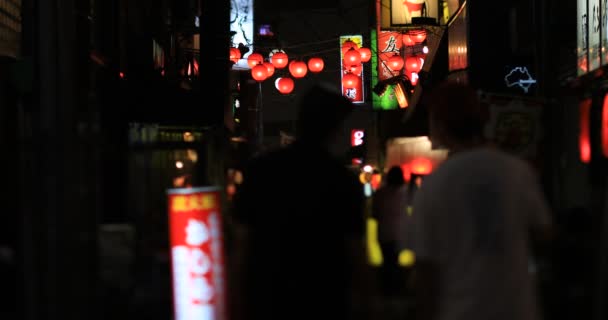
196 253
594 34
355 94
389 43
582 39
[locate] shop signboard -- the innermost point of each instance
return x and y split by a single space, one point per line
593 26
197 262
241 23
400 12
356 94
591 35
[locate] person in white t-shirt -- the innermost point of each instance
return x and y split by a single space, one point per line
475 217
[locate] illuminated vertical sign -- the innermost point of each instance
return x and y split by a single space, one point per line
582 40
196 253
584 140
357 137
356 94
241 22
604 126
389 43
594 19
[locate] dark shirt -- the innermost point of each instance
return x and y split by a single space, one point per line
301 206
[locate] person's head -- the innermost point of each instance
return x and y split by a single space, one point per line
394 176
322 110
456 116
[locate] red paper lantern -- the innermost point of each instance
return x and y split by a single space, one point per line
284 85
421 166
298 68
418 35
269 68
346 45
395 62
254 59
279 60
407 40
259 72
235 54
413 64
350 80
352 57
365 53
315 64
356 69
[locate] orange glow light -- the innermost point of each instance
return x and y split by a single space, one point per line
584 143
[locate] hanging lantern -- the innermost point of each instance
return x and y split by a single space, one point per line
395 62
407 40
346 45
269 68
418 35
584 140
255 59
298 68
315 64
350 80
365 53
413 64
259 72
284 85
352 56
356 69
235 54
279 60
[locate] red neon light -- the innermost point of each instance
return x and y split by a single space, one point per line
584 141
605 126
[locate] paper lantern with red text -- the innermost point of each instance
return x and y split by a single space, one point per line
315 64
298 69
255 59
285 85
279 60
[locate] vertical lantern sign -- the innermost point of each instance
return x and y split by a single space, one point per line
582 41
357 138
353 94
196 253
593 24
584 140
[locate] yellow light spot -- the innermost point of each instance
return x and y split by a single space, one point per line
374 254
178 203
407 258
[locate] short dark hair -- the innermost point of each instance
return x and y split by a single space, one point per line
394 176
322 109
456 107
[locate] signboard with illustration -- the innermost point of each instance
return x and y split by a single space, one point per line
515 124
197 261
241 23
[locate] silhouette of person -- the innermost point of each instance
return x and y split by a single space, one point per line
302 216
475 217
389 208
